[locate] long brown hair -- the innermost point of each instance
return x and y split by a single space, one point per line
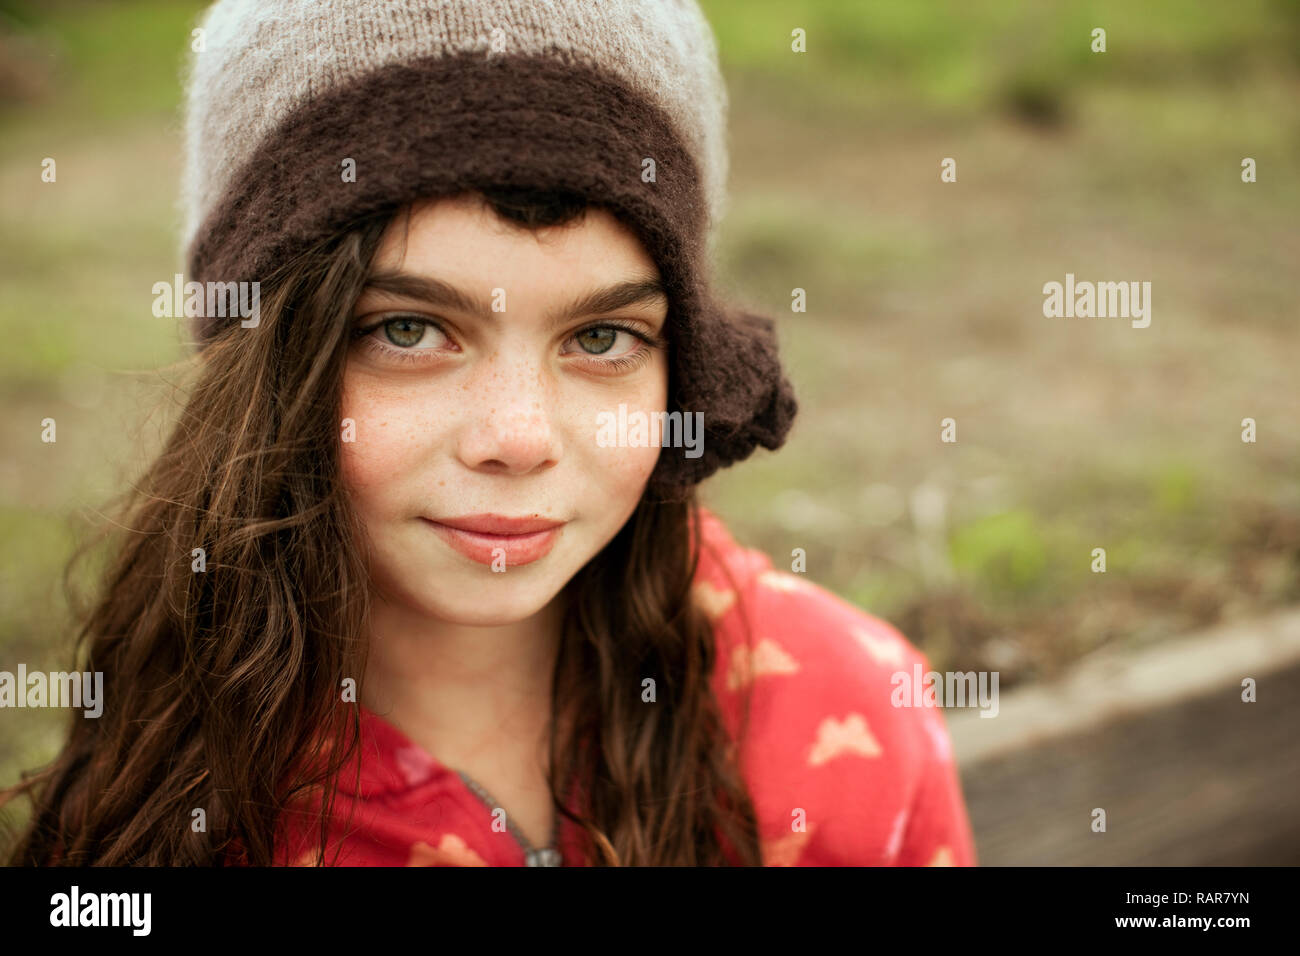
224 685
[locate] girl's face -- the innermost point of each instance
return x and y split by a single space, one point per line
482 358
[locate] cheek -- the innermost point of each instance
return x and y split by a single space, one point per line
381 444
623 470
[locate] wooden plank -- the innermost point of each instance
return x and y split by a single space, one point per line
1187 772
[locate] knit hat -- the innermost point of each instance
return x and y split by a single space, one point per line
620 101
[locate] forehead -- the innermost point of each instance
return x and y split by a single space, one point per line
463 239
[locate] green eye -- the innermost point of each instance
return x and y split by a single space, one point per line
600 338
404 332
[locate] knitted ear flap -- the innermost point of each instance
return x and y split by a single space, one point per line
725 366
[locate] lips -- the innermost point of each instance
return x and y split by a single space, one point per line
489 538
498 524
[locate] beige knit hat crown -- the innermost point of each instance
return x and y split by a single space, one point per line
263 59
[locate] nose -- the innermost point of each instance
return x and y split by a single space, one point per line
510 429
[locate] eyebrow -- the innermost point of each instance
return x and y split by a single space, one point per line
436 292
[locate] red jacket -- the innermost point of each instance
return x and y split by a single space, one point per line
838 776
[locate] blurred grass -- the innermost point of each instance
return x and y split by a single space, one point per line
960 58
107 61
923 303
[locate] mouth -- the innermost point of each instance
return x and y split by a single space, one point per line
496 538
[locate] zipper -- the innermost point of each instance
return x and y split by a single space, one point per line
546 856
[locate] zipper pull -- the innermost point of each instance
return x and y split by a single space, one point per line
547 856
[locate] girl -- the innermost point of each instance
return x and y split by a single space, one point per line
412 582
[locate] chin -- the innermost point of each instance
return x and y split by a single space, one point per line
486 599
